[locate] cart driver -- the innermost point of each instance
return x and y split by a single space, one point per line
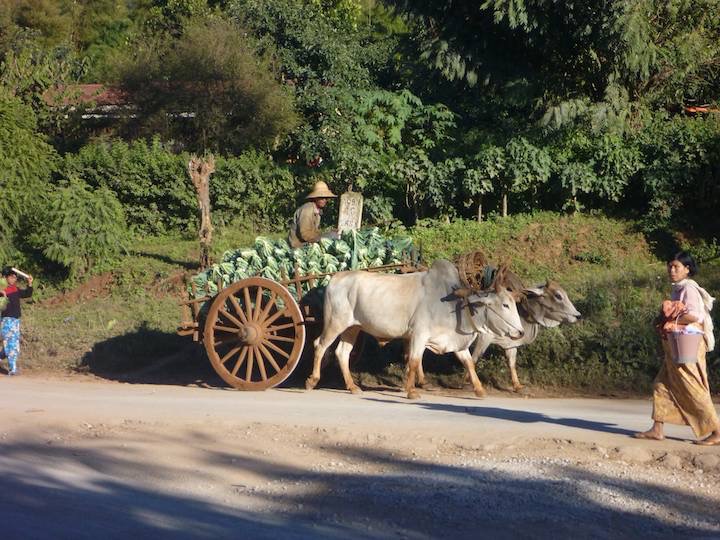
305 226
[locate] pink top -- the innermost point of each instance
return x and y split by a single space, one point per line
689 296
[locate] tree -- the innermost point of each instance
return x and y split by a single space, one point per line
207 89
659 53
51 20
389 143
27 161
517 168
594 169
475 184
39 77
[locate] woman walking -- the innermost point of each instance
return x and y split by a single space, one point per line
10 321
681 393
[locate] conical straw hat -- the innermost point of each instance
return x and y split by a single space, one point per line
321 191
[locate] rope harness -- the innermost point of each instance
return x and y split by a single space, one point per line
468 308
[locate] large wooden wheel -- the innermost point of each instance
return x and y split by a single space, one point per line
254 334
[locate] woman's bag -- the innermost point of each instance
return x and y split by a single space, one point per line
684 346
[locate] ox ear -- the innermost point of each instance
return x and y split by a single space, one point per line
499 281
535 292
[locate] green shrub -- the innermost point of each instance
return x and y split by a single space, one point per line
250 189
151 183
154 188
680 178
82 228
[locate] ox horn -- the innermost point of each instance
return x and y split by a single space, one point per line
462 292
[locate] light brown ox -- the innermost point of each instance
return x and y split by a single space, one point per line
425 309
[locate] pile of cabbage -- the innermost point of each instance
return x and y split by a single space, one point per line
276 260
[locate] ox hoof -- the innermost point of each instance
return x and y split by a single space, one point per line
310 383
480 393
355 390
413 394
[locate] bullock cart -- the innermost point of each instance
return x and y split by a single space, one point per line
254 329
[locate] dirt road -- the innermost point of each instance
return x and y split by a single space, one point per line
88 459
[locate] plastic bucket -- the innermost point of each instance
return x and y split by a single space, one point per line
684 347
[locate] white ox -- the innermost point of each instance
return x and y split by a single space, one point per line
544 306
422 308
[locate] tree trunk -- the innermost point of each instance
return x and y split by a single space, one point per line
479 210
504 204
200 171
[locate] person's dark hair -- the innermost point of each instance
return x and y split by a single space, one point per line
687 260
8 271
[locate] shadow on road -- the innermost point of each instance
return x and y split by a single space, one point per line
69 492
150 356
524 417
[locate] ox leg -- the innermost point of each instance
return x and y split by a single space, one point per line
420 376
419 372
321 344
466 358
414 361
511 355
342 352
481 345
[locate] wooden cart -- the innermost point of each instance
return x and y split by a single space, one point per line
254 330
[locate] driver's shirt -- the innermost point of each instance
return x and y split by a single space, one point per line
305 226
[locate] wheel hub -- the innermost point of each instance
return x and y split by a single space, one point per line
251 333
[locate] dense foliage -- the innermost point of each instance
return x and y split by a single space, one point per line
435 110
26 161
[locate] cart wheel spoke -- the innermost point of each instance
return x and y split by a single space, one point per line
276 349
249 365
248 305
279 327
269 357
240 361
281 338
268 306
260 363
221 328
274 317
225 313
231 353
258 303
238 309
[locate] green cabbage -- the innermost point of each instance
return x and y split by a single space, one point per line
276 260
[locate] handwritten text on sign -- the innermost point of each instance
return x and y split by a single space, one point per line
351 206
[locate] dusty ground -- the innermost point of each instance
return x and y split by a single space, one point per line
86 459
